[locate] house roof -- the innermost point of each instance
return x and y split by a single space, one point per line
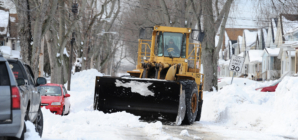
4 16
255 55
272 51
289 23
13 25
250 37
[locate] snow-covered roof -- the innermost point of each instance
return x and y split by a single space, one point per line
293 53
4 16
288 25
273 51
274 26
255 55
250 37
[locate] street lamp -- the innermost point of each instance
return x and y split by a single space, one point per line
72 41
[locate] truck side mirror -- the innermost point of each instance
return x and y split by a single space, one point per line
142 33
20 81
41 81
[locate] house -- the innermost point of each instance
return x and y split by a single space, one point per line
261 38
287 39
9 29
249 41
270 64
254 63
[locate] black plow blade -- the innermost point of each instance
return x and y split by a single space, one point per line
153 100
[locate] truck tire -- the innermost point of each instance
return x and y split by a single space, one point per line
191 101
198 118
39 123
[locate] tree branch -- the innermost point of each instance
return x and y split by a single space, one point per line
222 13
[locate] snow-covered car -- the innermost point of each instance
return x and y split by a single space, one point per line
270 88
220 83
55 98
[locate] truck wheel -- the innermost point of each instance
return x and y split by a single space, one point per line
198 118
191 101
39 123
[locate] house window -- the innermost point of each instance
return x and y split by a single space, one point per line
13 47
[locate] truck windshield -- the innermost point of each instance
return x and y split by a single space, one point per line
170 44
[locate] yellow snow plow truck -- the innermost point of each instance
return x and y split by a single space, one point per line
166 84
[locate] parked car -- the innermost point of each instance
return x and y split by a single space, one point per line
55 98
19 99
270 88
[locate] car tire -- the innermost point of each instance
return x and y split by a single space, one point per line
22 136
191 101
63 111
39 123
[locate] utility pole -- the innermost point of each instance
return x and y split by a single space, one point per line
74 11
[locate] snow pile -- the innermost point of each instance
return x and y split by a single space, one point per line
85 123
31 134
285 114
136 87
184 133
5 50
15 54
240 106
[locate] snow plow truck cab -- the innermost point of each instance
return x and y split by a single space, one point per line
166 85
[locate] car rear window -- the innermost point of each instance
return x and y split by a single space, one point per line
49 91
16 69
4 78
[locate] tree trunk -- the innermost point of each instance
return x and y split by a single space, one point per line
208 47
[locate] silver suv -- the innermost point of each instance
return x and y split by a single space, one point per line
19 99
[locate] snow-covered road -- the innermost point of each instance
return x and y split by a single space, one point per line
235 112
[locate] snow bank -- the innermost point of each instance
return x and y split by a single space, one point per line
285 114
85 123
31 134
240 106
5 50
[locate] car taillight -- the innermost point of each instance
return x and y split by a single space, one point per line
15 94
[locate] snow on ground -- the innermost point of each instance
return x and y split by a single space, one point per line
236 111
86 124
239 106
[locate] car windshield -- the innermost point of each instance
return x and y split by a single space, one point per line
49 91
171 44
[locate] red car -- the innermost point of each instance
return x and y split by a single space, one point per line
270 88
55 98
